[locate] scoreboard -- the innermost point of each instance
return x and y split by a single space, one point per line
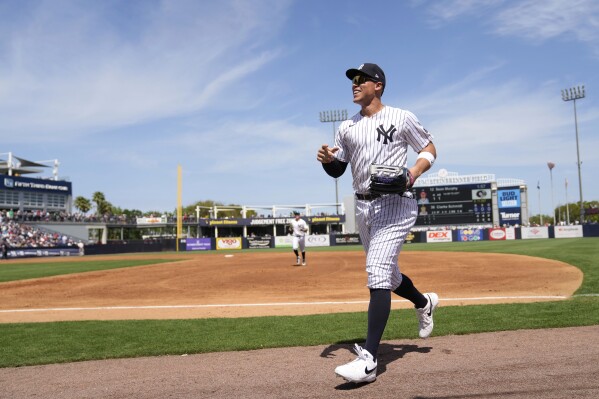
454 204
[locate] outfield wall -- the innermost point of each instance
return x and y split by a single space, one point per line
315 240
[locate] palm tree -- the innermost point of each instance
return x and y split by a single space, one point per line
102 206
83 204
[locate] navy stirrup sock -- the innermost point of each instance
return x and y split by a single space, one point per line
378 314
407 290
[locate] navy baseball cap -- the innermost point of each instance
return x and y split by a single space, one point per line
373 71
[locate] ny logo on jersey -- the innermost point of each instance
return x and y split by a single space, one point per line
387 134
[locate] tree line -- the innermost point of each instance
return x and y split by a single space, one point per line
101 206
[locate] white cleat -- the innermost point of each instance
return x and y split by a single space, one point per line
362 369
304 263
425 315
298 261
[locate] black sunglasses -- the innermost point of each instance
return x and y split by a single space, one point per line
360 79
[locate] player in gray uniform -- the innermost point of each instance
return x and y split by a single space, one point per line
380 135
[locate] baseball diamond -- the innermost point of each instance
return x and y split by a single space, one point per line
510 364
255 284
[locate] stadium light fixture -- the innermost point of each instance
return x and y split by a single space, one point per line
573 94
338 115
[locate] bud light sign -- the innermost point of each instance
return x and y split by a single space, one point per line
509 198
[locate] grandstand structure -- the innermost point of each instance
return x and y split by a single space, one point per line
444 199
19 192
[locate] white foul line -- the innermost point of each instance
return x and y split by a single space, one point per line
241 305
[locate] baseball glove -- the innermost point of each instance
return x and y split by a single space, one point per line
386 179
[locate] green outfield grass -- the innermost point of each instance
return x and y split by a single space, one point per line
41 343
23 271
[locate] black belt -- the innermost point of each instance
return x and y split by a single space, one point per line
367 197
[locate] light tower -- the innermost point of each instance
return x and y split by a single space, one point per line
573 94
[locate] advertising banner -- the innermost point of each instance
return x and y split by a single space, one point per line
258 242
283 242
198 244
151 220
228 243
508 198
347 239
510 216
318 240
470 235
438 236
510 233
497 234
36 252
507 233
233 222
40 185
568 231
534 232
326 219
412 237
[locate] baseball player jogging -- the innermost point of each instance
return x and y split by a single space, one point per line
299 228
375 142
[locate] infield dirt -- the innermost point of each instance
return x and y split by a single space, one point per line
256 284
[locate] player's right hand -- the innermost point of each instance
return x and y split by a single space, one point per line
326 154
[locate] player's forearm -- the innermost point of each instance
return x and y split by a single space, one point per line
335 168
419 168
425 160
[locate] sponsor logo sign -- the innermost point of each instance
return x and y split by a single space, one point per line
568 231
510 233
152 220
438 236
509 198
34 252
228 243
497 234
327 219
258 242
347 239
283 242
223 222
470 235
534 232
318 241
198 244
29 184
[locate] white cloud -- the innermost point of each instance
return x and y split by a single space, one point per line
551 18
478 122
63 74
529 19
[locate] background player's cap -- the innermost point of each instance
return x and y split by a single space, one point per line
371 70
296 213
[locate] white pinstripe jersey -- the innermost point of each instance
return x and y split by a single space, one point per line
299 227
382 139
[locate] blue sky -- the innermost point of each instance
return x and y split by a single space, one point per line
121 92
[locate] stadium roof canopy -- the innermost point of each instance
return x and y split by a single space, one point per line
20 166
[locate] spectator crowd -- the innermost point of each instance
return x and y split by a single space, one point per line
19 235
